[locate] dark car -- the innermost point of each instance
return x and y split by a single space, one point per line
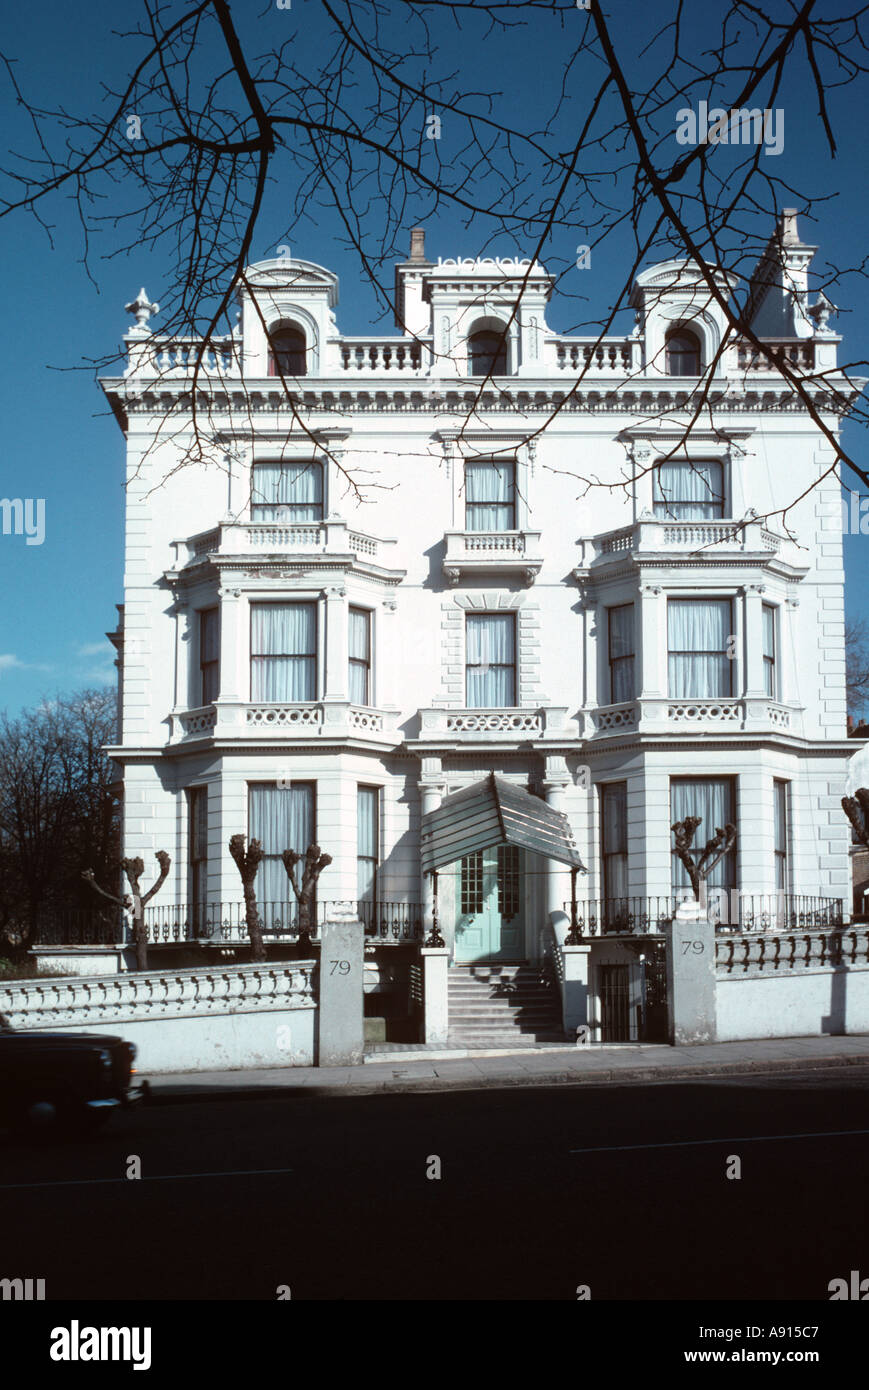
64 1079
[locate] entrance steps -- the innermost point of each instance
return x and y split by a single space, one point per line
503 1005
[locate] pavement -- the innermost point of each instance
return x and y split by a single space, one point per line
427 1069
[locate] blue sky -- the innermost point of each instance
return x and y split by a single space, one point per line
60 443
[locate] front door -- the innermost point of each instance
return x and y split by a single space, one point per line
489 918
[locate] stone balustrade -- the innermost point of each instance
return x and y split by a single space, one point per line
258 538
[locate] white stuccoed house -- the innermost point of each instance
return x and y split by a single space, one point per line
300 663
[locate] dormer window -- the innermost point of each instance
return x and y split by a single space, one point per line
287 352
683 353
487 351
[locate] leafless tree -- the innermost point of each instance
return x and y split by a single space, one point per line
314 862
58 808
856 808
247 862
135 901
856 665
699 866
213 112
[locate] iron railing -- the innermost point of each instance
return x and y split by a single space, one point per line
221 922
731 911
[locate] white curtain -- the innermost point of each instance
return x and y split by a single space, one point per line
292 488
366 843
280 818
688 491
283 647
491 672
780 797
614 836
712 800
489 496
359 640
699 666
769 650
621 650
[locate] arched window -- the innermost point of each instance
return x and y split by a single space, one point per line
487 351
683 353
287 354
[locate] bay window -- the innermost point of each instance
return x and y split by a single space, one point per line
688 490
621 652
699 664
209 655
713 799
291 492
283 651
490 496
367 843
770 682
359 674
780 816
490 662
614 839
280 817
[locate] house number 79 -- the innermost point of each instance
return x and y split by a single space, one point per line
694 946
342 967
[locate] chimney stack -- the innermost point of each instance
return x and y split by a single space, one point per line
417 244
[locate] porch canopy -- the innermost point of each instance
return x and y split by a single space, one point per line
495 812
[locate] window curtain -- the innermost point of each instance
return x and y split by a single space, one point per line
769 650
491 672
688 491
366 843
614 839
209 648
712 800
489 496
699 667
359 639
780 809
621 651
280 818
283 649
287 491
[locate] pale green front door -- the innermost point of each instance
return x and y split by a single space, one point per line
489 918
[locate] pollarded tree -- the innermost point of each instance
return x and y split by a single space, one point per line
135 901
314 862
699 866
247 862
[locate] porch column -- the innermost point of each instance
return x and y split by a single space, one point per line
556 778
431 791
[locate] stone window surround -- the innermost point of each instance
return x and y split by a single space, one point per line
646 447
483 445
528 679
277 446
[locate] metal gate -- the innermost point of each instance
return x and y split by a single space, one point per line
615 1003
653 1021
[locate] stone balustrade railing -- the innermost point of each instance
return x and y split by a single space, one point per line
332 537
769 953
712 712
99 1002
308 719
495 725
703 537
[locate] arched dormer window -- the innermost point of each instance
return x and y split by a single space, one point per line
487 349
287 352
683 353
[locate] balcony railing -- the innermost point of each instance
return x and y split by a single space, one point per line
385 356
796 352
301 537
654 714
492 552
619 357
709 539
495 725
329 719
226 922
731 911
